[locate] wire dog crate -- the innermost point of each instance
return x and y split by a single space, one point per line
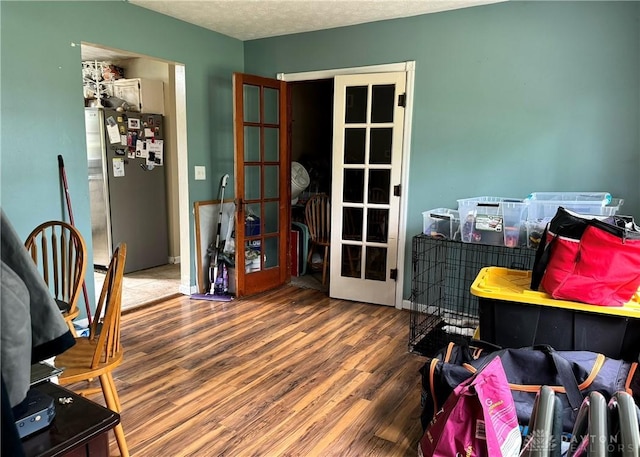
442 306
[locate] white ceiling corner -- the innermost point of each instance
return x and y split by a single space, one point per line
94 52
253 19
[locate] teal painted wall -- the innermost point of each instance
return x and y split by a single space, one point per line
510 98
42 107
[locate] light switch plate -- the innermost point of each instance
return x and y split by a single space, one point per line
201 173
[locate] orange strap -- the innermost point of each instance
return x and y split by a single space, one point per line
432 370
447 355
597 366
627 384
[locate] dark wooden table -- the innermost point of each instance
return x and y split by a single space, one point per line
80 428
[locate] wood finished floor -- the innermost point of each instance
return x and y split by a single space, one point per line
287 373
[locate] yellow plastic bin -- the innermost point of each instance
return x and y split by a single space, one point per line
513 315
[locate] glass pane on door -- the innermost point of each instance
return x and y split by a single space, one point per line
377 225
251 182
381 141
252 257
251 103
351 258
354 186
252 229
376 263
354 145
271 252
271 220
356 105
251 144
271 105
382 103
271 144
271 181
379 186
352 224
253 216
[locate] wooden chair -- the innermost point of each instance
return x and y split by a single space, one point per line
60 254
98 354
318 218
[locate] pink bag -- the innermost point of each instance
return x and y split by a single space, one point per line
477 420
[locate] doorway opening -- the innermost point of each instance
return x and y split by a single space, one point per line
169 276
310 144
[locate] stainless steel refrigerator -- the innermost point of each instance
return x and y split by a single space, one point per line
125 154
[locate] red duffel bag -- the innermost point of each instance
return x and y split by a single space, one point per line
587 259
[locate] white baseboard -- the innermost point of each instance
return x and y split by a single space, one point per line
174 259
188 290
406 304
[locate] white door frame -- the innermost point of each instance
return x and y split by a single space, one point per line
409 68
183 179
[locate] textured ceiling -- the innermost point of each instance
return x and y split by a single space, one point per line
252 19
91 52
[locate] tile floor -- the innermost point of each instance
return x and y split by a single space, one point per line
141 287
311 280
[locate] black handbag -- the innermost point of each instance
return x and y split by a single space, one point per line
571 374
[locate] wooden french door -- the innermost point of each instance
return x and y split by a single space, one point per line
262 183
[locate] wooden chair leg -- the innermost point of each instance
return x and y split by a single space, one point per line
72 328
113 403
122 443
309 258
324 265
112 385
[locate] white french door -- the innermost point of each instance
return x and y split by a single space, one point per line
365 198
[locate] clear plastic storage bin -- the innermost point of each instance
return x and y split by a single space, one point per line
535 230
492 220
612 208
535 227
544 205
441 223
603 197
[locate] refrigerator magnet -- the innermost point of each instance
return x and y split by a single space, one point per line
132 139
141 150
112 130
118 167
133 124
156 148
